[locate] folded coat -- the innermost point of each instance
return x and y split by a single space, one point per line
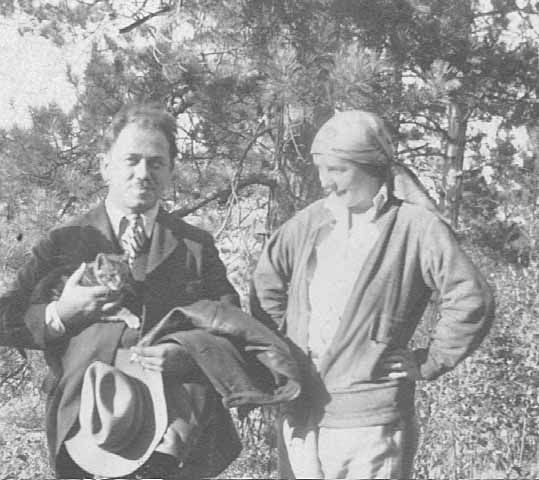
245 361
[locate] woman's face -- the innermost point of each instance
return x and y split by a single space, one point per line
351 184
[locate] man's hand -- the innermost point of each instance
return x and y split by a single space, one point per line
165 358
79 306
401 363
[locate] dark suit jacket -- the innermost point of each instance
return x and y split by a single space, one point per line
183 267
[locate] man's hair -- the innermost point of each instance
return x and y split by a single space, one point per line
151 116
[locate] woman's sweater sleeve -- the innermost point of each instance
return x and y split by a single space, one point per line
466 303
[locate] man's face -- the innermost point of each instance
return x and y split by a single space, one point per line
351 184
137 168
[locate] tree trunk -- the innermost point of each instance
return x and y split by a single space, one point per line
533 133
297 179
454 158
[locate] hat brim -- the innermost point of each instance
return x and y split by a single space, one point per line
94 459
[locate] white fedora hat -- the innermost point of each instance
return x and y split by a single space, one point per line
122 417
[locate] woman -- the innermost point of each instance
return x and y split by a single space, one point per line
347 280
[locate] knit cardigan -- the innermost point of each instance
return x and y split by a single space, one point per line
416 254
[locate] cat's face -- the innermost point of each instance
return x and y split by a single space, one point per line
111 270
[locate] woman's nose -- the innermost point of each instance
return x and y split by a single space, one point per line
326 181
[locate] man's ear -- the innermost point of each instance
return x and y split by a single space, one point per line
104 166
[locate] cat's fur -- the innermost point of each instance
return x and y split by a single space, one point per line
108 270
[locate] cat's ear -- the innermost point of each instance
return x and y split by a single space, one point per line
100 259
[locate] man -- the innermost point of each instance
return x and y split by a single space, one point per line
173 264
347 280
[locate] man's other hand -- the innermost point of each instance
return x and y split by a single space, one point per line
401 363
78 306
165 358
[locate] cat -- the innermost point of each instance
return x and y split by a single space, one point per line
108 269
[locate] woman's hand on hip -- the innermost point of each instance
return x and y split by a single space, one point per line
401 364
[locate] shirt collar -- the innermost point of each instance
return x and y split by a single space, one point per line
343 214
115 215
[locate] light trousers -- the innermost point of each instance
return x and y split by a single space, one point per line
379 451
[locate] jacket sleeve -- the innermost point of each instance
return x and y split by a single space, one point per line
214 273
269 287
466 303
21 324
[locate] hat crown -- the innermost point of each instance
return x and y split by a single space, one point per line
116 403
122 417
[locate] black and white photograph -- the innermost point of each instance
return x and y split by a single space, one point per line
269 239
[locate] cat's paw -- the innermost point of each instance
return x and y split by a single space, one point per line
124 315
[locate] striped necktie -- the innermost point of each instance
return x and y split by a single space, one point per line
134 238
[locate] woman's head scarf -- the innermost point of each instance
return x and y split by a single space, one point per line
357 136
361 137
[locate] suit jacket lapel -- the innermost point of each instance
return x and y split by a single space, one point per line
163 243
101 236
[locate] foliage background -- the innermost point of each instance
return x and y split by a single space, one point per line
250 82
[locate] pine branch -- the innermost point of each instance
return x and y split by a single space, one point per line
259 132
140 21
412 150
70 201
432 128
258 179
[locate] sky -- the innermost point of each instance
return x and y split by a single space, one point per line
33 73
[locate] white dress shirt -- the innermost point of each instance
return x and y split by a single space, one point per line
339 259
116 215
